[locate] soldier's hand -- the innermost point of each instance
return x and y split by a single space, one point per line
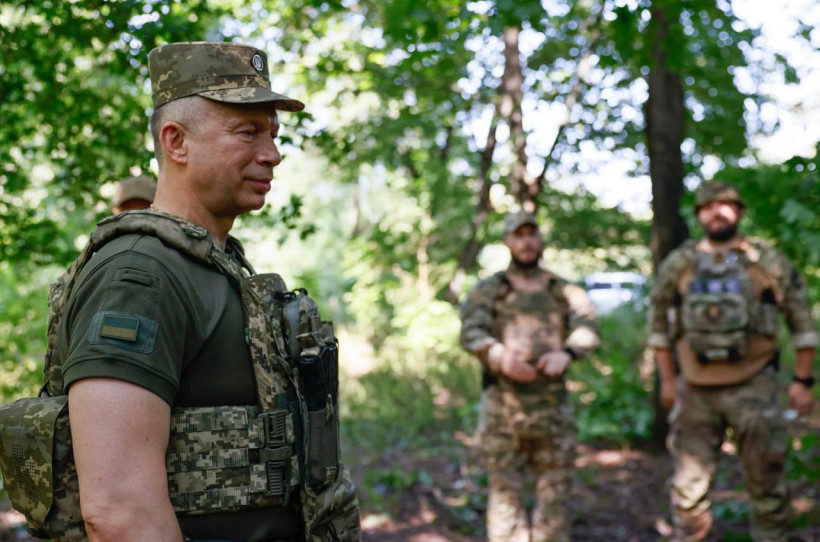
667 393
800 398
554 363
515 369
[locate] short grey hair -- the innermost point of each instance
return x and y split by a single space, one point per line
185 111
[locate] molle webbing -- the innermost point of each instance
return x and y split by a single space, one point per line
261 299
230 457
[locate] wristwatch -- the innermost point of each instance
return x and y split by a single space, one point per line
571 353
808 381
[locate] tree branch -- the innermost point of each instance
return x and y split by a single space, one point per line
468 257
574 95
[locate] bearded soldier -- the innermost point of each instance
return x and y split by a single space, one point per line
526 325
714 318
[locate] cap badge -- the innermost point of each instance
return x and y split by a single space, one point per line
257 63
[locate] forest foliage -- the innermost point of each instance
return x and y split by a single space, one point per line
419 134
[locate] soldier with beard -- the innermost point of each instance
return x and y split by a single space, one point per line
526 325
714 319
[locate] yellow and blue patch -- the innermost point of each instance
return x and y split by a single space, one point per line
129 331
120 327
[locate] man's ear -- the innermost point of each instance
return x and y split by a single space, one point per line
174 141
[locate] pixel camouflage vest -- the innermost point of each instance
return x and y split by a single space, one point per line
218 458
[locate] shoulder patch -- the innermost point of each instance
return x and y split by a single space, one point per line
120 327
129 331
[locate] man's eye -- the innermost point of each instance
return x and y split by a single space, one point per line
250 132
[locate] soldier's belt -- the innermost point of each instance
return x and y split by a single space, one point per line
228 458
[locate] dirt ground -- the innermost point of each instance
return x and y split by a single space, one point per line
619 495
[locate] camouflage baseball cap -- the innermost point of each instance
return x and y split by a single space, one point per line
225 72
717 191
515 220
142 188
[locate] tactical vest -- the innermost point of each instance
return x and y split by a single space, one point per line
533 323
219 459
726 313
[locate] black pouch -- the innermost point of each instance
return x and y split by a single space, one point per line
321 393
311 344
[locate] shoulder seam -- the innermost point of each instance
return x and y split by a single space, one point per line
171 272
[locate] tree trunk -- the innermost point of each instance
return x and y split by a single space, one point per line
664 114
523 186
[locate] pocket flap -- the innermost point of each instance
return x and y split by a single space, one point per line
26 453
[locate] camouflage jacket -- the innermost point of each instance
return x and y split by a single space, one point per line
481 335
788 286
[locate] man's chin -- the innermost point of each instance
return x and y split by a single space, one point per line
526 263
253 204
721 234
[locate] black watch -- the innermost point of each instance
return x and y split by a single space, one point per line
808 381
571 353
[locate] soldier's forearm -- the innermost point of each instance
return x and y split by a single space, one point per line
477 344
583 341
666 364
804 362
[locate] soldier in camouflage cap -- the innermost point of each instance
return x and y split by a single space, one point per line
223 72
515 220
134 194
717 191
525 325
161 345
714 319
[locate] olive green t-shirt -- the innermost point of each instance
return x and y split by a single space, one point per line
147 314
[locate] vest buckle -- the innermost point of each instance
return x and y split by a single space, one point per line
277 463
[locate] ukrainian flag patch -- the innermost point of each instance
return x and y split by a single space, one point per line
124 328
128 331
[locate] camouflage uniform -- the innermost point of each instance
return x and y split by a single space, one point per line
154 300
527 425
741 393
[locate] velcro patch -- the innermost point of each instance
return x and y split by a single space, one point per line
124 328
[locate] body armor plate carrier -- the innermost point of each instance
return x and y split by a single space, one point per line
723 307
219 458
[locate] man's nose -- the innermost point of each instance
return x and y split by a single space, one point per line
269 153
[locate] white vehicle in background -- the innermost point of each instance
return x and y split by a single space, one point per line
609 290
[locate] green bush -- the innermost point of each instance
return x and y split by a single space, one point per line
613 401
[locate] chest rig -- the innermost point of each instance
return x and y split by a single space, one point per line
219 459
531 320
725 300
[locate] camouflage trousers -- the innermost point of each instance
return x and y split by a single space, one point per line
528 438
698 423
